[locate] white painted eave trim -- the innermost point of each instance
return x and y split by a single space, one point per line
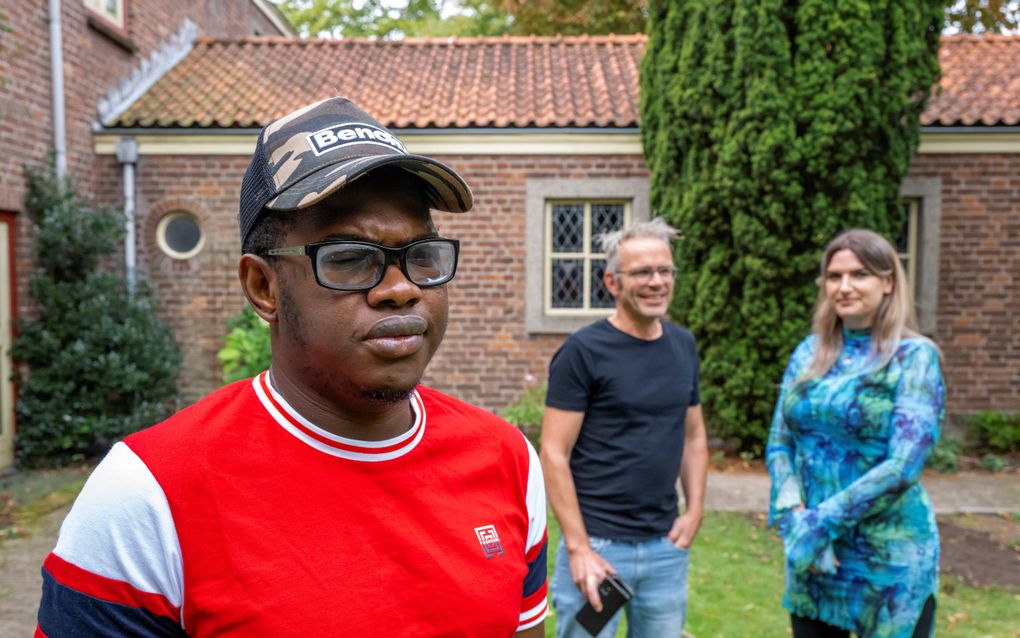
512 142
147 73
274 15
958 140
476 142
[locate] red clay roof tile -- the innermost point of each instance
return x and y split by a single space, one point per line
502 82
980 83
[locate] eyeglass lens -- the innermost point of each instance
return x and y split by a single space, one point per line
645 274
356 266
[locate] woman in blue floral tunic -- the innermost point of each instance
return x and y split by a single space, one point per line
859 411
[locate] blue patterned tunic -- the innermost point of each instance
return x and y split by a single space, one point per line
850 446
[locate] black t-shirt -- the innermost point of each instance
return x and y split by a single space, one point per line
634 395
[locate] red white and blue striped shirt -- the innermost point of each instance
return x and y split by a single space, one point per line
237 516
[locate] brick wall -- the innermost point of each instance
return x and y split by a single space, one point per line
25 119
487 355
93 62
196 296
979 278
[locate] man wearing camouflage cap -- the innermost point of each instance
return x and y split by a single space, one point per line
330 495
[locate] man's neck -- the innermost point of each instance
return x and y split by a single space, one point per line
357 418
646 330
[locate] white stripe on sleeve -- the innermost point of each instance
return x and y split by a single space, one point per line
535 499
121 527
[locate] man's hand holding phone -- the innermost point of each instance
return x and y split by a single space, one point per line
589 569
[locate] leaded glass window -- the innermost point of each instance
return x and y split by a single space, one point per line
575 263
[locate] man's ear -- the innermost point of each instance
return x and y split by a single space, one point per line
609 279
260 284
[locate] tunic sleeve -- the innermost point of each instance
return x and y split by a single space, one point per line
918 409
785 493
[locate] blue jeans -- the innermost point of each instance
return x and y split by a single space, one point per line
657 572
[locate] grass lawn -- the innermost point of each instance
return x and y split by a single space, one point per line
736 588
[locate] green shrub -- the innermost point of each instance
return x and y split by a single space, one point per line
768 127
95 364
998 431
945 457
246 348
993 463
526 412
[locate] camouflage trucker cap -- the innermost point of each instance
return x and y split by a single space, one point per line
305 156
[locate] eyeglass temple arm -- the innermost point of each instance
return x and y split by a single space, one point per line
292 250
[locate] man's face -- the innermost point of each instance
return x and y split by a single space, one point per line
351 348
640 291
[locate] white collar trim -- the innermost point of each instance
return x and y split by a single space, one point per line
352 449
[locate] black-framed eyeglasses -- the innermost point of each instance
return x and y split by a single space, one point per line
644 275
361 265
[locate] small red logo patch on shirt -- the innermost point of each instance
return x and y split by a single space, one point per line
489 540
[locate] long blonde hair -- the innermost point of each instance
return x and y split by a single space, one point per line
895 318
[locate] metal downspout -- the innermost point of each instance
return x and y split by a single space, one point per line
57 81
127 155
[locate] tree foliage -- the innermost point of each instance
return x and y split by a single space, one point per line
95 363
983 16
440 18
390 19
769 125
576 17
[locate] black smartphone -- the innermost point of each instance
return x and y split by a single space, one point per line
614 593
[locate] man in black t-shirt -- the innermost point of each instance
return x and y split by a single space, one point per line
622 420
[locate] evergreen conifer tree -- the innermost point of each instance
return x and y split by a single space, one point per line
768 126
95 363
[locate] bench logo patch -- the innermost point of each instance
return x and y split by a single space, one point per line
335 137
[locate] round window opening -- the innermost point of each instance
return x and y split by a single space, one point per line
179 235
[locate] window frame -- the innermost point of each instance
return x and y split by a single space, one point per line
632 191
908 258
8 319
112 23
165 247
586 256
925 197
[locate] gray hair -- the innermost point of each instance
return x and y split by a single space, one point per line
655 228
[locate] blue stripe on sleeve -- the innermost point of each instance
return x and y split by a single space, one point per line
67 612
536 576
